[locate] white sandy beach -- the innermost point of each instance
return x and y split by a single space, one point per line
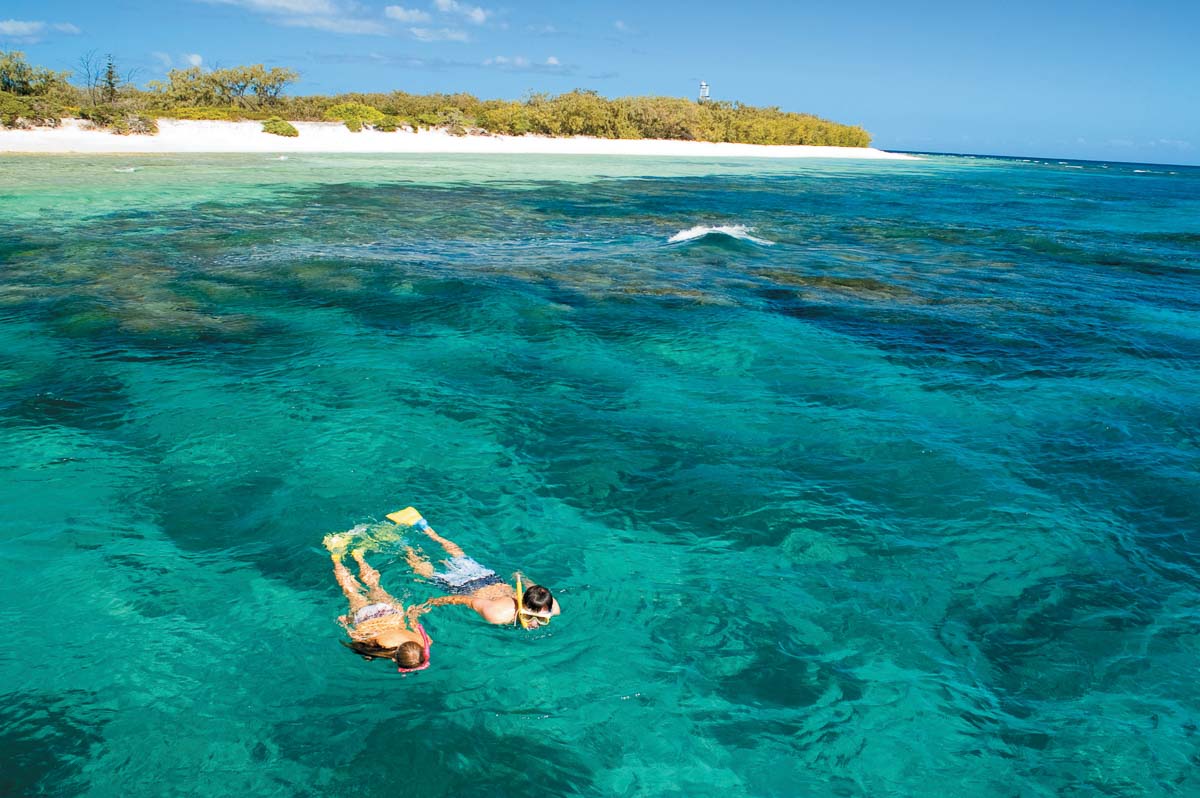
176 136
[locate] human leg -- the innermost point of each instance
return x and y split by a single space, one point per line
420 565
349 585
452 548
370 578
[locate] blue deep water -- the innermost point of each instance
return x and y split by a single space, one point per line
880 479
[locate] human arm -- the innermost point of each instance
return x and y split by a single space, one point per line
442 601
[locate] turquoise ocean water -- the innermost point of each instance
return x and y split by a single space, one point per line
893 492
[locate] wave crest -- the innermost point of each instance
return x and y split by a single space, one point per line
738 231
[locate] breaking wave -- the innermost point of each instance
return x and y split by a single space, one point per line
735 231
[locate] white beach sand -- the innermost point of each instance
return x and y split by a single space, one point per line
176 136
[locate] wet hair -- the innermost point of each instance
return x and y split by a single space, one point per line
408 655
537 599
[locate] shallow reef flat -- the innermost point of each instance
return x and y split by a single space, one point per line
850 477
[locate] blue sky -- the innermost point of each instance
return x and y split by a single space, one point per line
1106 80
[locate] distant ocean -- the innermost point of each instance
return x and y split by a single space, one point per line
852 478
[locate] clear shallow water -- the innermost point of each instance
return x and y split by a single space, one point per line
905 502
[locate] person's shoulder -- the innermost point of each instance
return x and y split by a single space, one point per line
496 610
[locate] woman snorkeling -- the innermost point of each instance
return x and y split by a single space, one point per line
379 626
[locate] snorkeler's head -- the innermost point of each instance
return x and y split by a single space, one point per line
410 655
537 599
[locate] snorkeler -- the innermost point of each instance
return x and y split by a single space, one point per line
378 624
475 586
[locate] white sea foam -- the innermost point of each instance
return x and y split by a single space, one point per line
126 169
738 231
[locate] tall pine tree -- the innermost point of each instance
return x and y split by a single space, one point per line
108 90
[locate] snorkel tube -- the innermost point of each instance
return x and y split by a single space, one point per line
520 602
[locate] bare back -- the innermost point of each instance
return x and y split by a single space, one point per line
495 603
387 632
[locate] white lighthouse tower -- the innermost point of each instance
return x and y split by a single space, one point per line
703 91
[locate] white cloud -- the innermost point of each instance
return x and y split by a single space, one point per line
620 25
517 61
32 30
440 34
164 60
336 25
298 7
410 15
21 28
327 15
543 30
520 63
193 59
474 14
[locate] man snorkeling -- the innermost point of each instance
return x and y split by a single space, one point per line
475 586
379 626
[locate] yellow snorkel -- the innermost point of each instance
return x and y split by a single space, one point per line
520 616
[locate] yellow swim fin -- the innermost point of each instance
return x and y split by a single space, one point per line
406 517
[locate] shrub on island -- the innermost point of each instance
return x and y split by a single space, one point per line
200 113
280 127
14 112
213 113
354 115
27 112
388 124
120 121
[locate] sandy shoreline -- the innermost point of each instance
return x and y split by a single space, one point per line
178 136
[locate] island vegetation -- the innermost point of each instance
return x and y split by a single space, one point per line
280 127
97 92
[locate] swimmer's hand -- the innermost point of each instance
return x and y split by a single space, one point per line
416 611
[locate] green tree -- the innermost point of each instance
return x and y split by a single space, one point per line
268 84
18 77
187 87
110 82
